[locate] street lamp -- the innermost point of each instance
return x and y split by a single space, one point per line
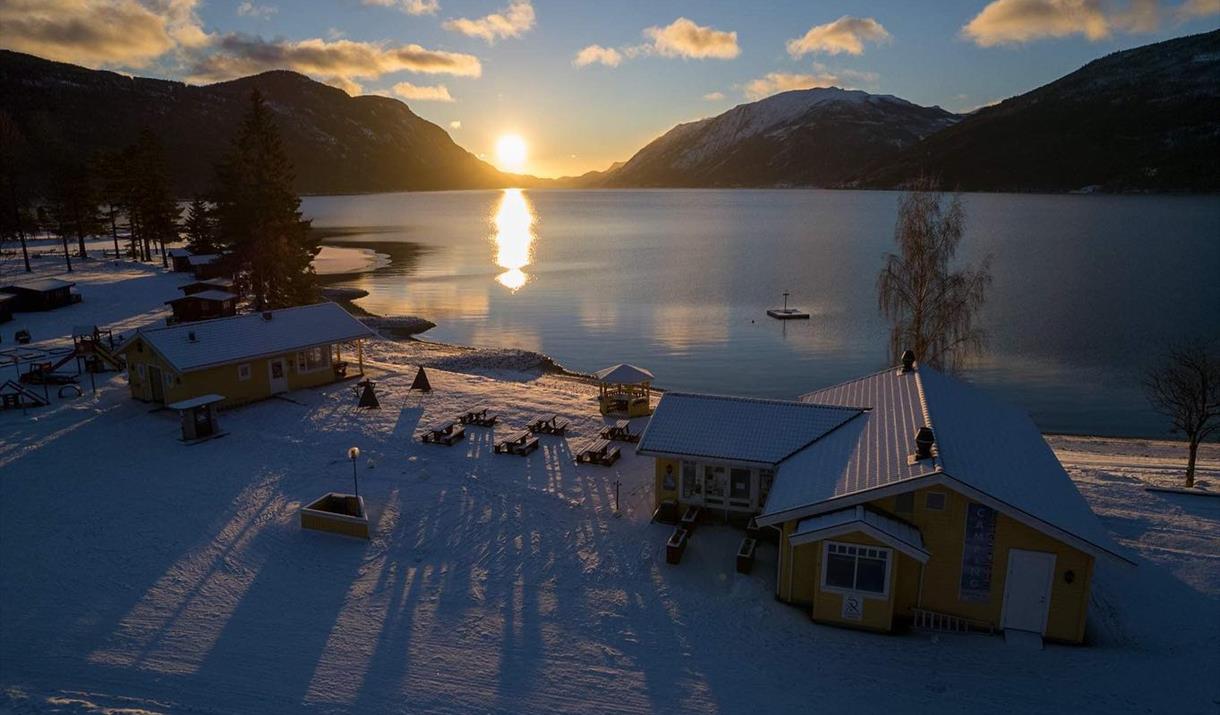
354 454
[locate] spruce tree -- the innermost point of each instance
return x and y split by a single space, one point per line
258 216
200 233
158 210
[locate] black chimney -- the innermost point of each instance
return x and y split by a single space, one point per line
924 439
908 360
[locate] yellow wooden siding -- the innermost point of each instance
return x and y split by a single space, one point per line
878 611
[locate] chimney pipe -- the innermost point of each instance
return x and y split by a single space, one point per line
908 360
924 439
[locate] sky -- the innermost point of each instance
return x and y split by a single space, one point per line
585 83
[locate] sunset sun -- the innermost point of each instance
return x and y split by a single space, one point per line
510 152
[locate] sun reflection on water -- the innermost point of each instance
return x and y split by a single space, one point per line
514 221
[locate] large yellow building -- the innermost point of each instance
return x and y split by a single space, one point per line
246 357
903 497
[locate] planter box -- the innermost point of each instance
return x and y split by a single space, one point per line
745 555
676 546
338 514
691 517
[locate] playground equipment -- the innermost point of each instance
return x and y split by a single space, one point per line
91 345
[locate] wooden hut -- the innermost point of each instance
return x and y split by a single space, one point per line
198 415
203 305
179 260
625 390
209 265
40 294
220 283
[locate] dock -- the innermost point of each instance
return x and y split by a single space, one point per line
786 313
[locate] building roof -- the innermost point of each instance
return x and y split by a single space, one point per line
624 374
217 282
222 341
204 259
197 402
5 297
989 451
217 295
736 429
179 252
898 534
40 284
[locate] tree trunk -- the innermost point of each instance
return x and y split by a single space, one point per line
164 258
63 236
114 231
1190 462
25 252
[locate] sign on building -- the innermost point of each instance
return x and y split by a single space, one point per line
853 607
978 553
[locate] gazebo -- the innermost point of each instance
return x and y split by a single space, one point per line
625 390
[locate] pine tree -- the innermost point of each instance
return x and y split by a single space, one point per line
199 228
158 210
258 215
14 171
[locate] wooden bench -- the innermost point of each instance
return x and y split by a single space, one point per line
745 555
477 417
446 433
676 545
521 445
620 432
599 452
548 426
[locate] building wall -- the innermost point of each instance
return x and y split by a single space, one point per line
944 538
660 492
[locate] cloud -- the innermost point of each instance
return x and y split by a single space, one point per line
425 93
352 88
118 33
411 7
512 21
249 9
845 35
683 38
597 54
1011 22
236 55
776 82
455 124
714 96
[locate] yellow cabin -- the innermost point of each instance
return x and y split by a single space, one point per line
902 498
246 357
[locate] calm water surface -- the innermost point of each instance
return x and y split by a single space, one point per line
1086 288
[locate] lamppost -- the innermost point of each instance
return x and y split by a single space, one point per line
354 454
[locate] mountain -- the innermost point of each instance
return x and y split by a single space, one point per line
337 143
811 137
1146 119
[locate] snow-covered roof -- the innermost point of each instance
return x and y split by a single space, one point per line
197 402
39 284
204 259
205 295
4 297
216 282
736 429
244 337
178 252
899 534
988 450
624 374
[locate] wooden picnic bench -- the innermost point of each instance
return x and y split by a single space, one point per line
548 426
521 445
621 432
446 433
598 452
477 417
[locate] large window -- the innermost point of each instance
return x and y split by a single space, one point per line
855 568
690 481
313 359
739 485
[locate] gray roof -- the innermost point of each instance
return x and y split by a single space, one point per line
624 374
899 534
197 402
736 429
179 252
227 340
204 259
205 295
40 284
218 282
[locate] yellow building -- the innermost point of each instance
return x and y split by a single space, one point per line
902 498
245 357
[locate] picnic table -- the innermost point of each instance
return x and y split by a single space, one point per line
550 425
446 433
521 445
621 432
599 452
477 416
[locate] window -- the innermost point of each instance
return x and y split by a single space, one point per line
313 359
856 568
690 481
713 484
243 371
669 482
765 478
935 501
904 503
140 369
739 484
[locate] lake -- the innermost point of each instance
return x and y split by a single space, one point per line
1087 289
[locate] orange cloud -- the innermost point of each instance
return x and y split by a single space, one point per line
845 35
512 21
433 93
683 38
596 54
1007 22
776 82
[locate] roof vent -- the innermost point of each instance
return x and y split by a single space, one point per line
908 360
191 337
924 439
267 315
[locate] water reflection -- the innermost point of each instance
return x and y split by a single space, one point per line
514 238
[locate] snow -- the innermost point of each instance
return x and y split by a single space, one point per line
334 260
142 575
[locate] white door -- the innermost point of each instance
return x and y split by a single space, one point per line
278 370
1027 590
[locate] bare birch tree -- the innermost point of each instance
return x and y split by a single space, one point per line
1185 387
932 308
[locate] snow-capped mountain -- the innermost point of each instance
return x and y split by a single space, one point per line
811 137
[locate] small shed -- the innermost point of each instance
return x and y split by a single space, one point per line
203 305
625 390
179 259
207 266
221 284
6 307
198 416
41 294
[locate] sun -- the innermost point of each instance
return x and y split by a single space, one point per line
510 152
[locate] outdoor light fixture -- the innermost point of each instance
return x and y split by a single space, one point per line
353 454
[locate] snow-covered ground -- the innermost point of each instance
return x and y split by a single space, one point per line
141 575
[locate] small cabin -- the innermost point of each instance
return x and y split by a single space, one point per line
203 305
179 260
245 357
40 294
207 266
221 284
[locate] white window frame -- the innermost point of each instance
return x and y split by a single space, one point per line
303 359
244 372
855 548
